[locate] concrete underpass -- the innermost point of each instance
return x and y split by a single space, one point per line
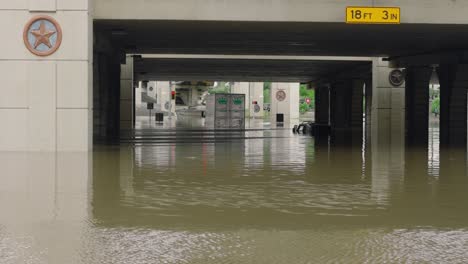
161 131
345 64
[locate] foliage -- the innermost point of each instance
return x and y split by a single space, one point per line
305 93
435 107
221 87
304 107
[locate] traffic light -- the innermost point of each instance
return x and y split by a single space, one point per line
173 94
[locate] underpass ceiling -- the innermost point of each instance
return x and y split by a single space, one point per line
285 38
270 38
248 70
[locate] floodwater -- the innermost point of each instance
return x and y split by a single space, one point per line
261 196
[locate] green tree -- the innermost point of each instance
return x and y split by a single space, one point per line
305 94
435 107
221 87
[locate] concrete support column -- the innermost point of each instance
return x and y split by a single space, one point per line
346 111
285 100
388 110
322 105
346 106
453 105
417 105
357 106
106 102
256 96
126 94
368 107
163 96
45 102
387 132
340 93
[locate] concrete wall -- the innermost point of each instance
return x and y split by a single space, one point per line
46 102
422 11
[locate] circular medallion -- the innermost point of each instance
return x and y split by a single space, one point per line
396 78
151 89
280 95
256 108
42 35
166 105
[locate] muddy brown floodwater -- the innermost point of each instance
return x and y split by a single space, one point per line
263 196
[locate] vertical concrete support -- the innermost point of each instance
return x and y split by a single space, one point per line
52 183
138 101
163 95
151 90
368 107
387 132
417 105
45 102
285 101
256 98
346 105
106 97
340 95
322 105
388 109
357 106
126 94
453 105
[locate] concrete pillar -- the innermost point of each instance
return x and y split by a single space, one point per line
453 105
417 105
256 96
368 107
322 105
339 104
126 94
285 100
346 111
151 90
346 106
106 102
163 95
388 109
138 102
45 102
357 106
47 188
387 132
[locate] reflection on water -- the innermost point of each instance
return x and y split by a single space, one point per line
261 196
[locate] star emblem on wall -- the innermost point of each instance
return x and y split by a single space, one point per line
42 35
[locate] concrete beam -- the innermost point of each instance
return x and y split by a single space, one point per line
278 10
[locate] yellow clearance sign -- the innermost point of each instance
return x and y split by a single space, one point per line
372 15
